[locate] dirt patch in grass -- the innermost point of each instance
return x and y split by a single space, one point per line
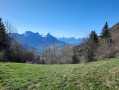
114 70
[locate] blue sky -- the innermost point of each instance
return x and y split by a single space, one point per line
60 17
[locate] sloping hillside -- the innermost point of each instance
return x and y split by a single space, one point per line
106 47
115 33
115 37
100 75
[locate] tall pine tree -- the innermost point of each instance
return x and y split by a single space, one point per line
105 31
4 42
107 41
105 35
91 46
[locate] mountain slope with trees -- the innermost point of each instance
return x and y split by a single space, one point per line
13 51
105 46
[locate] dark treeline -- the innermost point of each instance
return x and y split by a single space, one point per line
94 48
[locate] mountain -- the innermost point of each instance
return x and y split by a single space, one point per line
72 40
37 41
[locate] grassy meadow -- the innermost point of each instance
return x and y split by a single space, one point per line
100 75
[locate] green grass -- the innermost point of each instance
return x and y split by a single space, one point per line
100 75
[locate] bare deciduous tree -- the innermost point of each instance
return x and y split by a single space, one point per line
52 55
66 54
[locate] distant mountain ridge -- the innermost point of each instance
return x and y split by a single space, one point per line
37 41
72 40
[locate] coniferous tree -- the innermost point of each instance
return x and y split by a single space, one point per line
93 37
105 31
4 42
107 41
106 36
90 46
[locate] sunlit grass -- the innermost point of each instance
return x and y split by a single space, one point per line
100 75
